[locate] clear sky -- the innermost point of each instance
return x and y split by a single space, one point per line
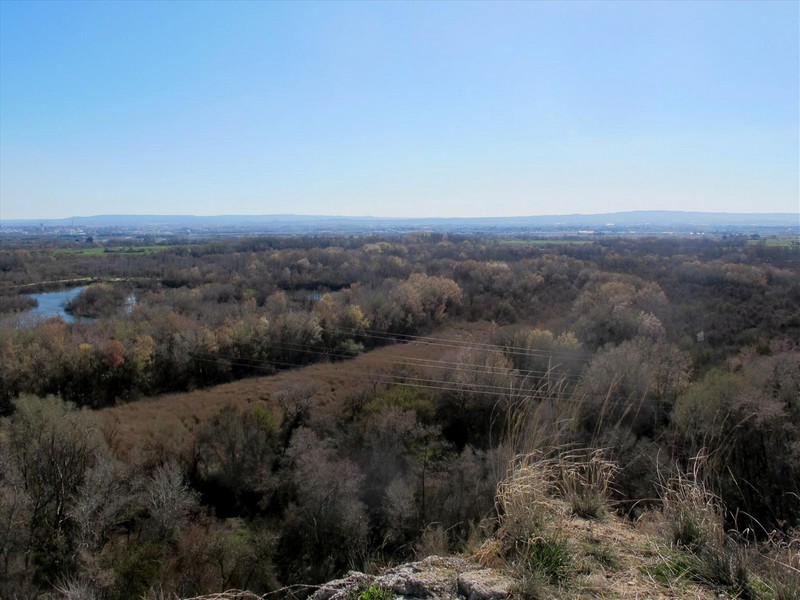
398 109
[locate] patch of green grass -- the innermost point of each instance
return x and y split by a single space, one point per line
533 586
724 566
544 242
777 242
377 592
102 250
93 251
786 588
550 556
675 567
718 568
602 554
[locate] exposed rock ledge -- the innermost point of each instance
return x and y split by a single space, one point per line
434 578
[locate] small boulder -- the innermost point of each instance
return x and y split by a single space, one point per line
433 578
484 584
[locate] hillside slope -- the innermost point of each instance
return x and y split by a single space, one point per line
610 558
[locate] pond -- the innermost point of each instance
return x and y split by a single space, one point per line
51 304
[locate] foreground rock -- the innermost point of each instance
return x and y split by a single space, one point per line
434 578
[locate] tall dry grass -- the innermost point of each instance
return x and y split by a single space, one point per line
693 522
548 480
692 515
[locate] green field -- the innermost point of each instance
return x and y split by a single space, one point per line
100 250
545 242
777 242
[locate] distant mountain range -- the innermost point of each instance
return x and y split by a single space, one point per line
646 220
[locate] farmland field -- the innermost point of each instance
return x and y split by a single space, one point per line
100 250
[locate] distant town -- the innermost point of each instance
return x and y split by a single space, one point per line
634 223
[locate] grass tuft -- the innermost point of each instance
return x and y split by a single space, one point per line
549 556
525 498
377 592
669 570
693 522
692 515
602 555
586 483
533 586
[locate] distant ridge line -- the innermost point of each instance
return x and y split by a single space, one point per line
623 218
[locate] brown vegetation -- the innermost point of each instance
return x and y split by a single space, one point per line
274 412
333 384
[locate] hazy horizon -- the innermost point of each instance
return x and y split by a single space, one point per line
372 216
398 110
634 217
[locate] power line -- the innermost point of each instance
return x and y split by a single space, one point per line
401 360
255 362
434 341
389 379
432 384
414 361
407 361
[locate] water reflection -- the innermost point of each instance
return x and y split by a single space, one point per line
51 304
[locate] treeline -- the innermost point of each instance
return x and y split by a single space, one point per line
181 339
194 316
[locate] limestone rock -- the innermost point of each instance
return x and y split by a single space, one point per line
341 589
434 577
484 584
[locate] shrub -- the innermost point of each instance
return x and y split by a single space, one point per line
98 300
433 541
16 303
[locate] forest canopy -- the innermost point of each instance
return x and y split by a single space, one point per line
653 350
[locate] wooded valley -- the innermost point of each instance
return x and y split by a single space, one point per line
653 351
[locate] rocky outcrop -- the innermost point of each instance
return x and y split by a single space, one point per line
434 578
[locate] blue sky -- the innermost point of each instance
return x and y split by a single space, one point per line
398 109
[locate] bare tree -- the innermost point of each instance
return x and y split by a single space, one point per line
169 500
51 445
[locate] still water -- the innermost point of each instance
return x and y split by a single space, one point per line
52 304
